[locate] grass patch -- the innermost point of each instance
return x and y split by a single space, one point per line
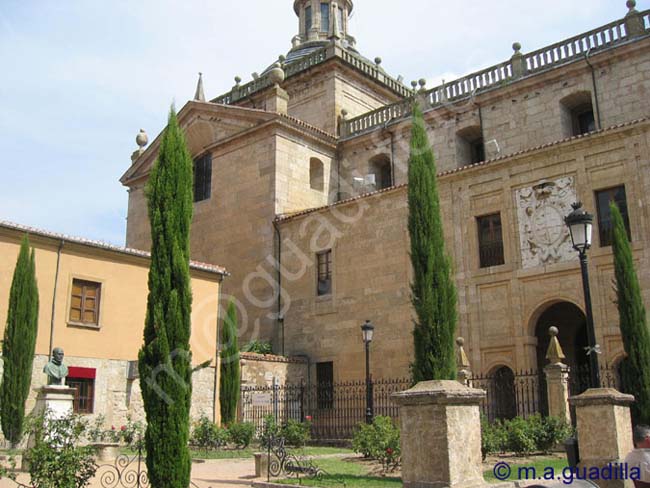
539 466
248 452
353 474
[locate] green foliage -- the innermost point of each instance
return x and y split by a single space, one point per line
523 436
19 344
258 347
296 433
230 377
57 460
270 431
207 436
632 319
433 292
165 358
494 438
379 441
241 434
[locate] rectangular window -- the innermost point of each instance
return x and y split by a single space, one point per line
325 17
325 385
340 19
490 240
202 178
603 198
84 304
324 272
83 379
308 19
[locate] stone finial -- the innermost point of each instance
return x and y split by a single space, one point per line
518 61
414 84
634 21
295 42
277 75
554 354
282 58
378 60
255 75
142 139
237 80
199 96
344 114
461 357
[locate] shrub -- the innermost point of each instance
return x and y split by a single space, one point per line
270 431
549 432
520 436
296 433
258 347
379 441
208 436
241 434
57 460
494 437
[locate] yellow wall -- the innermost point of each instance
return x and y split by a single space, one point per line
123 299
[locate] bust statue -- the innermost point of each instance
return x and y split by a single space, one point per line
55 370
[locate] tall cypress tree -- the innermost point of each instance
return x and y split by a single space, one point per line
433 292
19 344
165 360
635 369
230 379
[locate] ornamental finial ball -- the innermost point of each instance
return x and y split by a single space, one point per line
422 82
377 60
516 47
276 75
237 79
142 139
414 84
460 342
553 331
631 4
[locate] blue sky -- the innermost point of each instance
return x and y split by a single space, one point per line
80 77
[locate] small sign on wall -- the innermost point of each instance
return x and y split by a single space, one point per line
262 399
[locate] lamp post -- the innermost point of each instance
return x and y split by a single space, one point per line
580 224
368 330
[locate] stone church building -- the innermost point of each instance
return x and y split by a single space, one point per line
300 190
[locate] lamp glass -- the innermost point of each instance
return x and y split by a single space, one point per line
581 235
368 330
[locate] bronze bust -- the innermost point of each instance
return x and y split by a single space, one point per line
55 370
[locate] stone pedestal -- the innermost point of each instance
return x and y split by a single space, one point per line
56 400
261 464
604 430
557 387
441 435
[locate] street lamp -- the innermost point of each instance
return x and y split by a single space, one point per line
368 330
580 224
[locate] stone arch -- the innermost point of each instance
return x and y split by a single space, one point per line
316 174
380 166
501 393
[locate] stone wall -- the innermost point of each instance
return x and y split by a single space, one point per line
499 306
260 370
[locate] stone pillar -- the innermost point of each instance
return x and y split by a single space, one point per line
56 400
604 430
277 100
557 379
441 435
518 62
462 361
633 21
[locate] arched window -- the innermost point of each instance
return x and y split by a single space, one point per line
316 174
469 146
577 114
380 167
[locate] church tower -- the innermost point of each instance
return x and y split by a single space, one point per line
320 21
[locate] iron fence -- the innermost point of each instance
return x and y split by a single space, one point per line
510 394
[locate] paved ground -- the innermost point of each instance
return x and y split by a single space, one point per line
226 473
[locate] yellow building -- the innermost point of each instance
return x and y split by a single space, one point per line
92 304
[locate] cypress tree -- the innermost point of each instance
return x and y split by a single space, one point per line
433 292
230 379
19 344
635 369
165 359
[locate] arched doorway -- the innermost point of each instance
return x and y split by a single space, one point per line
572 325
502 397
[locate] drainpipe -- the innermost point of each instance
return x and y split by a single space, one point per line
280 318
480 122
217 358
338 175
392 154
56 281
593 81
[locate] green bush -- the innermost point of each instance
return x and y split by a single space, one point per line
296 433
521 436
57 459
207 436
258 347
271 430
549 432
241 434
494 438
379 441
